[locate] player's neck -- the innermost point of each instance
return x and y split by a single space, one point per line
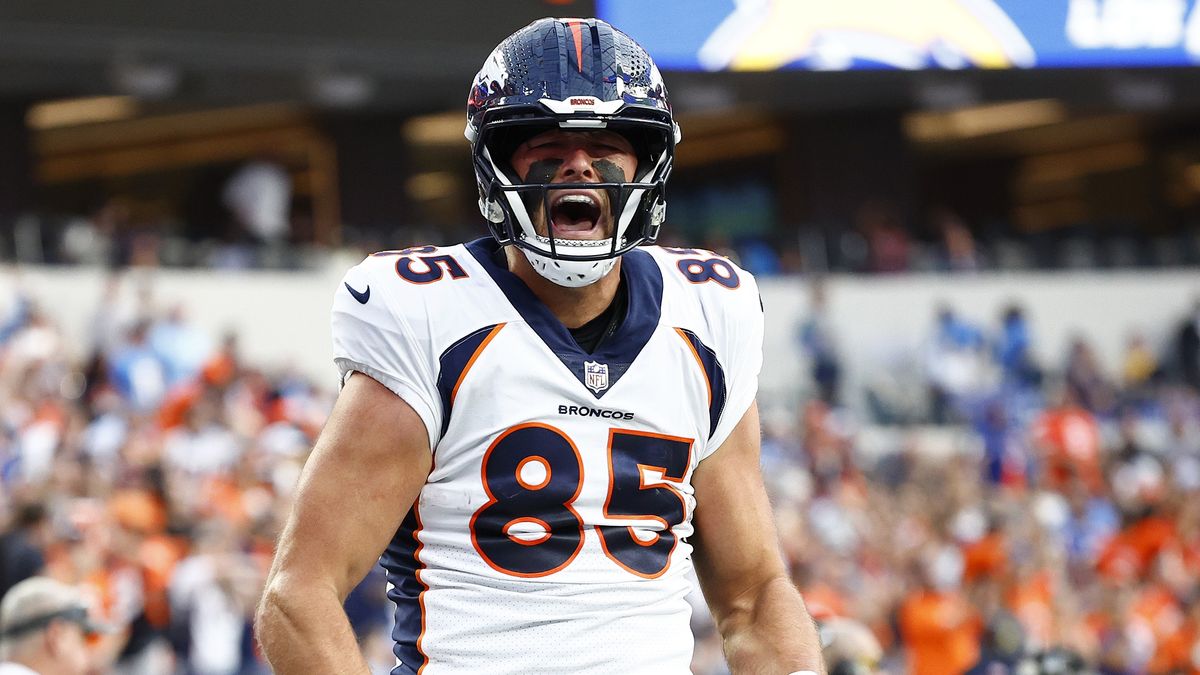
573 306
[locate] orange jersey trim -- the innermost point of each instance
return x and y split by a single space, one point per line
696 355
471 362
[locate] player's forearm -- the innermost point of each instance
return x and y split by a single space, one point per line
306 632
768 630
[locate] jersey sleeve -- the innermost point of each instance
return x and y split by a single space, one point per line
374 339
739 331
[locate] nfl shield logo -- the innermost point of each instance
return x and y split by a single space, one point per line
595 376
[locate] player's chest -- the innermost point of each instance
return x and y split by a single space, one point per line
512 381
513 377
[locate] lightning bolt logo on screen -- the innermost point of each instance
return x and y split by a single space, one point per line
772 34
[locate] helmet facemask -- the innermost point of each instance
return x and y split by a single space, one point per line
635 207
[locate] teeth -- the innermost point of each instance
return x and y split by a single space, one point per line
577 199
578 243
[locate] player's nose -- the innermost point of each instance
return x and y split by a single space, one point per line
577 165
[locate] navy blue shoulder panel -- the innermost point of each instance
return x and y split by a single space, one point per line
715 375
400 562
643 282
454 363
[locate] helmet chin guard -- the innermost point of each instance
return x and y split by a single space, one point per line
570 74
569 273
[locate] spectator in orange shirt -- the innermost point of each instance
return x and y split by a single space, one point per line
1031 600
1180 652
1129 554
1068 441
939 628
986 557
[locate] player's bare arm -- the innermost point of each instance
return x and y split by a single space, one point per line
761 616
367 469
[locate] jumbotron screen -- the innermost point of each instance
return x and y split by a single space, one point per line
760 35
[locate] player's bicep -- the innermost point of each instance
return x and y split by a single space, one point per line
364 474
736 545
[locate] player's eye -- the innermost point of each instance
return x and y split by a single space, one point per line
611 144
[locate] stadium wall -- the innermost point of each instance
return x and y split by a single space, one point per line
881 323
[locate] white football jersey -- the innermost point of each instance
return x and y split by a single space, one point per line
552 533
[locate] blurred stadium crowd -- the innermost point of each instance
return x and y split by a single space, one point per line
1045 507
879 238
1040 505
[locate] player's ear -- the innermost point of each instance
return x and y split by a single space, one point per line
58 639
52 639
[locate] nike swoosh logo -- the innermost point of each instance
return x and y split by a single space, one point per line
362 297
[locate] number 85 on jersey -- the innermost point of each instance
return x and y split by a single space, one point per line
533 474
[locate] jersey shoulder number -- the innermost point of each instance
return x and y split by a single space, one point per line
719 285
699 266
424 264
404 284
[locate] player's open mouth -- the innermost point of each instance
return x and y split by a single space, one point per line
575 214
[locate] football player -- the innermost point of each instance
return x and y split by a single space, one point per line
541 433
